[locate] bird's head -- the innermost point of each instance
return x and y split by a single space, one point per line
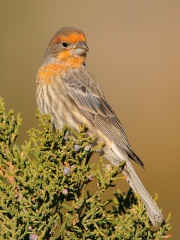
67 46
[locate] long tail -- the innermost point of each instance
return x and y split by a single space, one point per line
153 211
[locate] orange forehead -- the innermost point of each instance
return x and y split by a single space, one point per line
70 38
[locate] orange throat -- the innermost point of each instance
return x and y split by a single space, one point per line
70 61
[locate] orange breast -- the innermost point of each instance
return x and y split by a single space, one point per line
47 73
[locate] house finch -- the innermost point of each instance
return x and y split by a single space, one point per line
70 94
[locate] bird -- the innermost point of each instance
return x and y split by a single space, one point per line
67 91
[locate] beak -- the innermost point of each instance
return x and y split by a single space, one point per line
80 49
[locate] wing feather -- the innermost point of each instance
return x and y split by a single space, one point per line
82 90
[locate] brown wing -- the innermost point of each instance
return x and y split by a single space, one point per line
85 93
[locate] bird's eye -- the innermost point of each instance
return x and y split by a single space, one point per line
64 44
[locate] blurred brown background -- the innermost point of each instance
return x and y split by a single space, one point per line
134 55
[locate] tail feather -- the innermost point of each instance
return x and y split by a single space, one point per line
153 211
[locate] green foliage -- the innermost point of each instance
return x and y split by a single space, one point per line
50 190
